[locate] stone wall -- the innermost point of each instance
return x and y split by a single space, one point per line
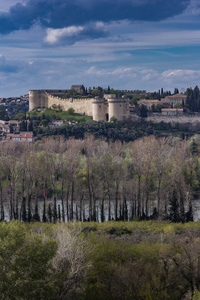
99 109
37 98
81 106
119 109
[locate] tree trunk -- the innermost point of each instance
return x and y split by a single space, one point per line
62 201
116 201
138 199
72 202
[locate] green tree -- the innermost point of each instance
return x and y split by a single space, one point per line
178 105
176 91
44 122
70 111
194 147
97 92
174 207
73 93
143 111
3 115
196 295
25 269
113 120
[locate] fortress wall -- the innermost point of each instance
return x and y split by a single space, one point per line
99 110
81 106
56 91
118 109
37 98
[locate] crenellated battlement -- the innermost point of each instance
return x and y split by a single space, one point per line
101 109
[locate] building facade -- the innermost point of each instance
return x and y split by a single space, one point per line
172 112
177 98
149 103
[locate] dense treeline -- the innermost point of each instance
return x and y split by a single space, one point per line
193 99
122 131
123 260
96 181
112 131
40 262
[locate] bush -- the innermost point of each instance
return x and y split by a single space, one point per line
119 231
25 263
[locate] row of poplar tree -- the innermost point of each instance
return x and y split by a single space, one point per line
93 180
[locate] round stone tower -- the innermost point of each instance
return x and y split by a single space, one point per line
99 109
118 108
37 98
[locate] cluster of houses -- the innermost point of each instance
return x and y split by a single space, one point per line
12 105
20 137
10 130
170 105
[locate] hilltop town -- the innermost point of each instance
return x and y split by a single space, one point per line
49 111
102 105
13 105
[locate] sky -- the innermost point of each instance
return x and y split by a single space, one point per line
126 44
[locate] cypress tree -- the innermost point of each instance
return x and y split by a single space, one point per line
176 91
143 111
30 125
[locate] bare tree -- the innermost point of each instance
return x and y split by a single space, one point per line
71 260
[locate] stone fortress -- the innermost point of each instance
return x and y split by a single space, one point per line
101 109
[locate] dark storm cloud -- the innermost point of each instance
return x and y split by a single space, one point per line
64 13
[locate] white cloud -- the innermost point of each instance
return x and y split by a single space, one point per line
149 75
181 75
193 8
143 78
125 72
56 35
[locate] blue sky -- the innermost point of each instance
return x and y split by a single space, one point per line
126 44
